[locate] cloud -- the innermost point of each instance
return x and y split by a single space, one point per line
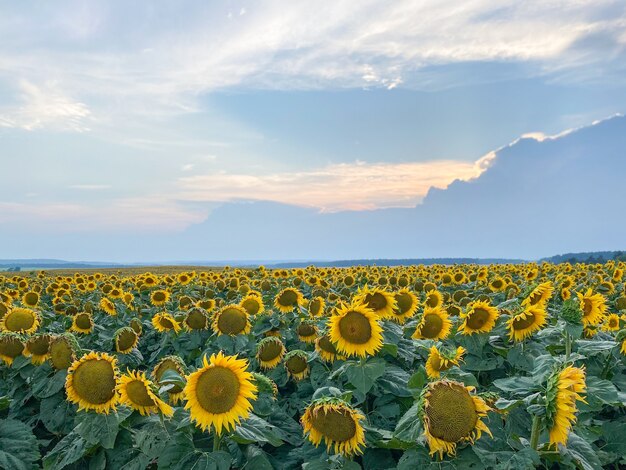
90 187
355 186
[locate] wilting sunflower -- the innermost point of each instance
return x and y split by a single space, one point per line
337 423
253 304
136 325
38 348
159 297
451 414
593 307
497 285
138 392
219 393
82 323
434 324
563 391
11 346
297 365
20 320
524 324
108 306
173 363
270 352
434 299
442 360
381 302
316 306
480 317
355 330
63 350
307 332
231 320
326 349
30 299
165 321
288 299
91 382
406 306
196 319
611 323
540 295
125 340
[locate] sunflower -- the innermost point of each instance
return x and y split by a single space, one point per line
566 294
611 323
563 391
434 299
82 323
165 321
593 307
337 423
381 302
326 349
136 325
434 324
497 285
173 363
307 332
206 304
91 382
63 350
442 360
231 320
480 317
451 414
159 297
108 306
297 365
524 324
11 346
288 299
355 330
219 393
125 340
270 351
196 319
20 320
316 306
253 304
30 299
38 348
406 306
540 295
136 391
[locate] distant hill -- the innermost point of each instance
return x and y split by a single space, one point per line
394 262
587 257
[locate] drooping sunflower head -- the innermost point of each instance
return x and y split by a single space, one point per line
253 304
63 351
108 306
231 320
264 384
288 299
38 348
479 317
355 330
20 320
316 306
440 360
497 284
219 394
565 387
381 302
125 340
30 299
336 423
434 323
159 297
528 321
540 295
326 349
593 307
451 414
196 319
307 331
406 305
82 323
270 351
165 321
297 365
136 325
173 363
91 382
138 392
11 346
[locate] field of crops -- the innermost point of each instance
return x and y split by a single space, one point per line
498 367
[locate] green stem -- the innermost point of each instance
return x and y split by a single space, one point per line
568 345
216 442
534 435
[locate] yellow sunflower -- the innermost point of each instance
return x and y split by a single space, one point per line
125 340
91 382
196 319
381 302
434 324
253 304
316 306
219 393
442 360
82 323
434 299
307 332
11 346
326 349
138 392
563 391
451 414
288 299
497 285
159 297
173 363
107 306
524 324
611 323
30 299
406 306
270 351
355 330
337 423
231 320
20 320
38 348
296 364
593 307
480 317
63 349
540 295
165 321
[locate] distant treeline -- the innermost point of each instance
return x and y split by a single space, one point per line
588 257
394 262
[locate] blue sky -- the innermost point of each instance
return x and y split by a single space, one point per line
146 119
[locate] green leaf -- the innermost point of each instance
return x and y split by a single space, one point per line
100 429
18 445
205 461
67 451
516 385
47 387
363 376
255 429
590 348
56 414
581 452
257 459
419 379
409 427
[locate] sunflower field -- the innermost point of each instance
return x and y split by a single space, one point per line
442 367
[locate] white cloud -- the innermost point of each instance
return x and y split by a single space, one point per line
187 167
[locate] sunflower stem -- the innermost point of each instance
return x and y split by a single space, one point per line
568 345
216 442
534 435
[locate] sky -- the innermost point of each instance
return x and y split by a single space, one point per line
140 131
